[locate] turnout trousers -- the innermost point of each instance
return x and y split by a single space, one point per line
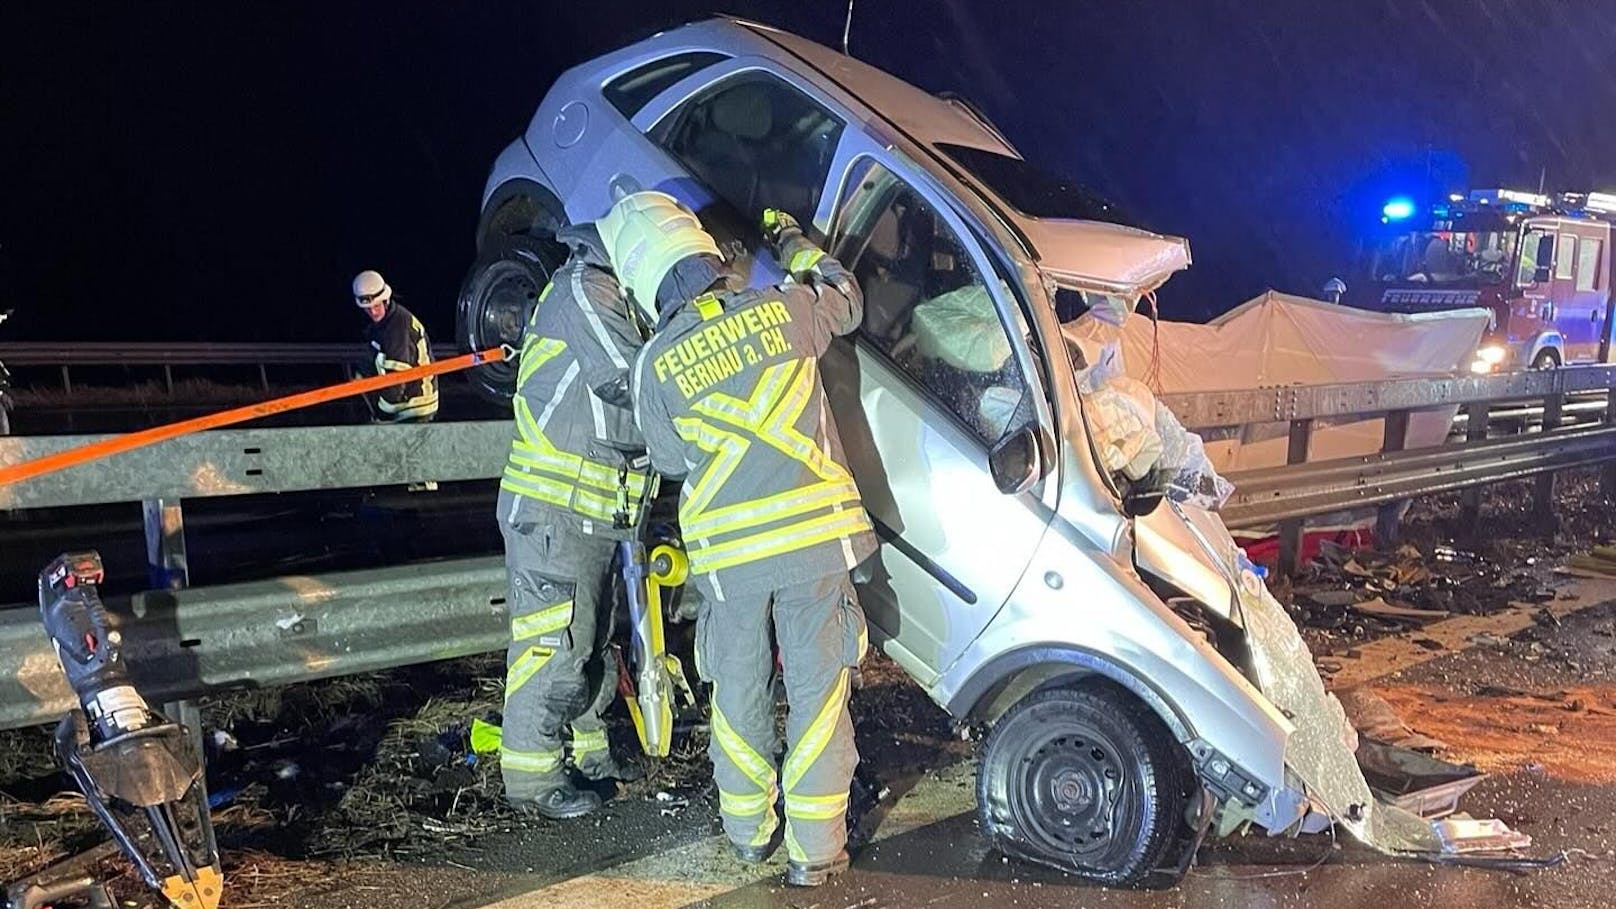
559 669
821 635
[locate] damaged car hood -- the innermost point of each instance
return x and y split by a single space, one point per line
1108 257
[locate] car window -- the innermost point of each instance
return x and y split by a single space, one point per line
1588 262
756 142
926 306
634 89
1567 257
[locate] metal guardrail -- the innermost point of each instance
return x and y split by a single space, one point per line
119 353
1303 488
243 635
186 643
65 356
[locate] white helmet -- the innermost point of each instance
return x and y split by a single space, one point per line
368 288
645 234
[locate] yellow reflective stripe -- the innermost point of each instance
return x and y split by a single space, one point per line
529 761
751 513
727 449
536 352
816 807
789 538
743 805
587 741
571 467
560 493
525 666
818 734
552 618
805 259
793 848
771 414
735 748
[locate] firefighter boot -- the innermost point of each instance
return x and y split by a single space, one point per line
560 801
812 874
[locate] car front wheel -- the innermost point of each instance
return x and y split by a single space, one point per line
1086 780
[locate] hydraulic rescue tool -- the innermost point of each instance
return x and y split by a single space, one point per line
658 675
139 771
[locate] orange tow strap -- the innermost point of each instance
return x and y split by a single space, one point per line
83 454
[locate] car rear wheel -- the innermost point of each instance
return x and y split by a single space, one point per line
1546 359
496 300
1086 780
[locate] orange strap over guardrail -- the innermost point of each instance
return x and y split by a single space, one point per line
94 451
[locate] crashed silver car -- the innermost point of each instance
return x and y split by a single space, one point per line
1141 685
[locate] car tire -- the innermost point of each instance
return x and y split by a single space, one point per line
1546 359
497 298
1089 781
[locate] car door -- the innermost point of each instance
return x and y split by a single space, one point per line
930 381
1572 311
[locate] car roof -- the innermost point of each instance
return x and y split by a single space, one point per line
1092 252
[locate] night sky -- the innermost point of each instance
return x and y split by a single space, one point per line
219 171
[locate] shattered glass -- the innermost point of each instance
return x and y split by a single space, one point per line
1321 750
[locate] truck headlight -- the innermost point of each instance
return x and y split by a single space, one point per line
1488 358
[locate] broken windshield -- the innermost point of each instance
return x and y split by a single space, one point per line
1030 190
1446 257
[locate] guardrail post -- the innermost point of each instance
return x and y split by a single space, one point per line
1291 529
1388 517
67 380
1553 408
263 377
166 563
168 378
1470 498
167 567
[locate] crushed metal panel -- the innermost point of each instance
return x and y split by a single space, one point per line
247 461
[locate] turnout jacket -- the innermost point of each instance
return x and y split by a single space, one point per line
399 342
727 393
576 448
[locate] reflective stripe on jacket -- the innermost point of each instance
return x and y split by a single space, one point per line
399 342
728 394
575 443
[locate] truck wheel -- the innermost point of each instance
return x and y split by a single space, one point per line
496 299
1086 780
1546 359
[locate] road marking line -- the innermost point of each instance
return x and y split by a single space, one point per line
1391 654
705 869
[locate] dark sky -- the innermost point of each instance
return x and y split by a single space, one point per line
219 171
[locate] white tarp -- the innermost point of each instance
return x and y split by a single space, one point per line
1278 340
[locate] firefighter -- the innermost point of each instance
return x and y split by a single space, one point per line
727 393
399 342
570 490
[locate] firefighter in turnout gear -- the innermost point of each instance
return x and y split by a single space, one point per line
573 485
727 393
398 342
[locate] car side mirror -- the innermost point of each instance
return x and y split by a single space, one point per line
1541 276
1144 496
1013 461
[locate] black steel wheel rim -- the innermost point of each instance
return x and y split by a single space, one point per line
1075 795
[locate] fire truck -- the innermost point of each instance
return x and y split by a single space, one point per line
1539 264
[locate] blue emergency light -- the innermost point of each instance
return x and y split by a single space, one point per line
1397 209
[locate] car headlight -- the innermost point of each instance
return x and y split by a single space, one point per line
1493 354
